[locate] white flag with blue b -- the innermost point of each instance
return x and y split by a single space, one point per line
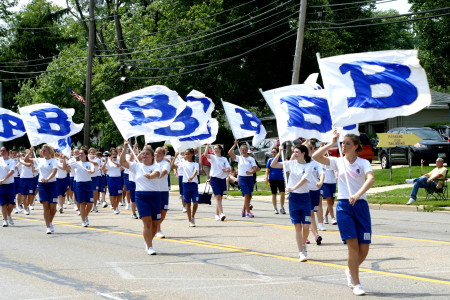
47 123
374 85
11 125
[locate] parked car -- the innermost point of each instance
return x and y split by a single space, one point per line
261 152
444 130
366 153
432 146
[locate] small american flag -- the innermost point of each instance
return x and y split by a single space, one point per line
76 96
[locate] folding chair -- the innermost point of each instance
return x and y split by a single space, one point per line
438 194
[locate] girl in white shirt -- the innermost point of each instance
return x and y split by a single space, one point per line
7 189
164 187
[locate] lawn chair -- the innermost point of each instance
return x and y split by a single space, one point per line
438 194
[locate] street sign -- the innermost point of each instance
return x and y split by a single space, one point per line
394 139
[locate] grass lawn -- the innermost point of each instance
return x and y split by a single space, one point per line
399 175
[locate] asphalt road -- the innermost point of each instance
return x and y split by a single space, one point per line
240 258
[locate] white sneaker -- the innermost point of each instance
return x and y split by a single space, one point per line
192 223
79 213
95 209
116 211
160 235
5 223
409 181
358 290
184 209
349 278
52 229
48 231
10 220
333 221
305 250
325 219
282 211
121 204
410 201
15 210
151 251
321 227
84 224
75 208
302 257
222 217
275 211
31 207
217 217
87 221
26 211
105 205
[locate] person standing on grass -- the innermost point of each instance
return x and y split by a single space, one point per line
220 167
148 196
7 191
48 189
246 168
275 179
355 177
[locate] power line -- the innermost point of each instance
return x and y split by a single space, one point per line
40 72
40 59
350 3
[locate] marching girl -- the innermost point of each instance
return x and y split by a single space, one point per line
163 186
315 185
131 189
299 197
148 197
355 177
179 161
112 169
190 182
27 187
47 166
62 181
83 189
7 189
95 176
71 191
220 168
246 168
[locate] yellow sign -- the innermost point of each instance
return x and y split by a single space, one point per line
394 139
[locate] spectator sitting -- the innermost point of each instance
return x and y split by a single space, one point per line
427 180
232 179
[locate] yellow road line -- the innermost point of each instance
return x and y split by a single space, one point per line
232 248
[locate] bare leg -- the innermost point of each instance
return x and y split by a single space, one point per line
357 253
274 201
194 209
247 199
46 210
188 210
148 230
282 197
330 204
219 208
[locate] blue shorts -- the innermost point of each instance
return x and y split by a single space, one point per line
180 184
149 204
27 186
35 183
132 191
315 200
72 183
168 180
17 185
354 221
115 186
219 185
126 181
95 183
300 208
48 192
63 186
164 200
83 192
328 190
102 184
7 194
190 192
246 183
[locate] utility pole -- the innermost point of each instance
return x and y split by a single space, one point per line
299 45
91 49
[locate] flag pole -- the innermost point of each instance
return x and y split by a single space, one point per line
345 167
234 136
284 170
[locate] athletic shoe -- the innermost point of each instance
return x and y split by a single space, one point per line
87 221
48 231
31 207
305 250
184 209
61 210
409 181
134 216
10 220
217 217
349 278
105 205
79 213
121 203
15 210
84 224
410 201
95 209
75 208
250 215
333 221
318 240
5 223
243 213
52 229
302 257
26 211
282 211
128 207
358 290
325 220
308 242
151 251
192 223
116 211
222 217
160 235
321 227
275 211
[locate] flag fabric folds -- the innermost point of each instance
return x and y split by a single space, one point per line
63 145
47 123
11 125
244 124
76 96
374 85
207 137
145 110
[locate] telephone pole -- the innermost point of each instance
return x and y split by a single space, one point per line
299 45
91 48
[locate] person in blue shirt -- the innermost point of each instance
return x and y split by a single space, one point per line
275 179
